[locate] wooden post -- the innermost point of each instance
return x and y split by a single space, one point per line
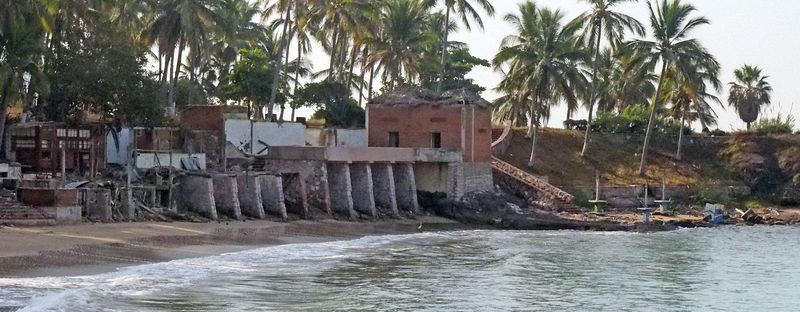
597 185
131 210
63 165
664 188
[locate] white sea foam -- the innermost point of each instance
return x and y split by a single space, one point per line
77 293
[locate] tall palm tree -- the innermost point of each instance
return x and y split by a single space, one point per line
284 9
180 24
672 24
234 29
688 92
749 93
336 21
465 9
543 62
602 21
397 50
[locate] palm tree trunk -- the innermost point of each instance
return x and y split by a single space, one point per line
651 122
171 104
4 107
352 66
277 68
532 159
286 71
334 46
444 48
297 75
678 155
593 92
371 79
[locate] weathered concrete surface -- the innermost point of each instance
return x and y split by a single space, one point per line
97 202
313 172
295 194
341 189
362 194
405 187
272 196
383 188
250 201
197 195
226 195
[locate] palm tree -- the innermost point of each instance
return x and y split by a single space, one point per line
672 24
543 63
180 24
233 30
689 92
466 11
284 9
398 49
601 21
749 93
21 45
623 80
336 20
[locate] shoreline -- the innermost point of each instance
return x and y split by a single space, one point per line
94 248
88 249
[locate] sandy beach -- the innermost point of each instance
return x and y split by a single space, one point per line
97 248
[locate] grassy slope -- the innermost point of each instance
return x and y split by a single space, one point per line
617 159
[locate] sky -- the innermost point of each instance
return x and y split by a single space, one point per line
765 33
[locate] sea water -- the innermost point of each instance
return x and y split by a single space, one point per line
721 269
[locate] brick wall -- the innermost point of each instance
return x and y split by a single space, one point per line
415 124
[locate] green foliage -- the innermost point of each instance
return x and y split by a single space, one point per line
251 78
775 125
633 120
101 73
189 93
459 63
333 102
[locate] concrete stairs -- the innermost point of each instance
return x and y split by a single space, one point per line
12 212
535 190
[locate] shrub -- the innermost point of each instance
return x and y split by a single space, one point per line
775 125
633 120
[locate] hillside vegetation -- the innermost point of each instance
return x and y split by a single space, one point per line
769 165
616 158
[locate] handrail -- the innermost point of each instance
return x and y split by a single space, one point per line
531 180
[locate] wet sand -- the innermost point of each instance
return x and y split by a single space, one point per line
97 248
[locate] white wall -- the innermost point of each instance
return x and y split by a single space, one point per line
237 133
336 137
118 156
152 160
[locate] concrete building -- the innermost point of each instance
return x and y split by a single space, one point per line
455 121
424 119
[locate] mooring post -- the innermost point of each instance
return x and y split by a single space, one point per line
597 204
663 204
645 210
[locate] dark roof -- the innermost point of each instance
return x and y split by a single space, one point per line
421 96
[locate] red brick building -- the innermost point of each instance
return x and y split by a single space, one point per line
425 119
